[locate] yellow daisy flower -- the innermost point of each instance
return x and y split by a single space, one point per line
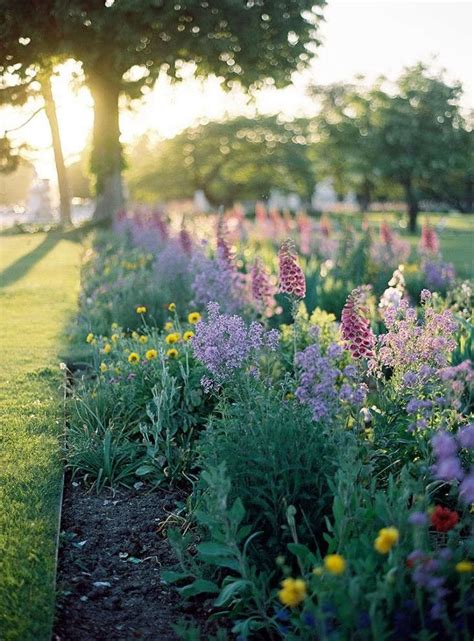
187 336
387 538
143 339
464 566
293 592
335 563
172 307
194 317
89 337
114 338
168 326
107 348
172 353
151 354
133 358
172 338
141 309
103 367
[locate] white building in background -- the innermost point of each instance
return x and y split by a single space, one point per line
200 202
38 207
325 198
279 200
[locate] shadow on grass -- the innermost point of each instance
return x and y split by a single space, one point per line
22 266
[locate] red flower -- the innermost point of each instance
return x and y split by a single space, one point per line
443 519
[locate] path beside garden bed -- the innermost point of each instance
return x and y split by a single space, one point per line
39 282
113 549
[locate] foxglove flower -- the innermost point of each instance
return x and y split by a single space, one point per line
429 243
263 290
387 236
185 240
356 330
224 251
292 280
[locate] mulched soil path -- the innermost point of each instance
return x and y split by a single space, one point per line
111 555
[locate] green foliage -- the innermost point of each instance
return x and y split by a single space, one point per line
136 419
124 46
275 457
381 591
222 555
392 142
238 159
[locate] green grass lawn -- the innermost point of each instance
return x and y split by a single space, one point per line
39 282
456 234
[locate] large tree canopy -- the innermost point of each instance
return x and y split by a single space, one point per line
124 45
423 135
238 159
411 135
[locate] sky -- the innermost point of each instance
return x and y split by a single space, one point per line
370 37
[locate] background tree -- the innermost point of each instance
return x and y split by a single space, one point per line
344 136
29 48
124 46
420 141
238 159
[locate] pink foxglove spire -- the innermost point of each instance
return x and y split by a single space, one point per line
185 240
292 279
224 251
262 287
355 327
429 243
386 234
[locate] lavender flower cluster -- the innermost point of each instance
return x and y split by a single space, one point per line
216 278
225 344
448 466
428 574
439 275
323 385
410 345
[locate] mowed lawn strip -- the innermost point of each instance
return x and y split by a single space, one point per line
455 231
39 282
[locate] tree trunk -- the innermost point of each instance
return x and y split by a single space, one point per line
106 160
469 206
412 206
364 197
50 109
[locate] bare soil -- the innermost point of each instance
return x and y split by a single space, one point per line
113 549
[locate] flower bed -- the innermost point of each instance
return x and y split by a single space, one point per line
320 460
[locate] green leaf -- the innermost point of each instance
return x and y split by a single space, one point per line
229 591
199 586
237 513
169 576
302 553
143 470
214 549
